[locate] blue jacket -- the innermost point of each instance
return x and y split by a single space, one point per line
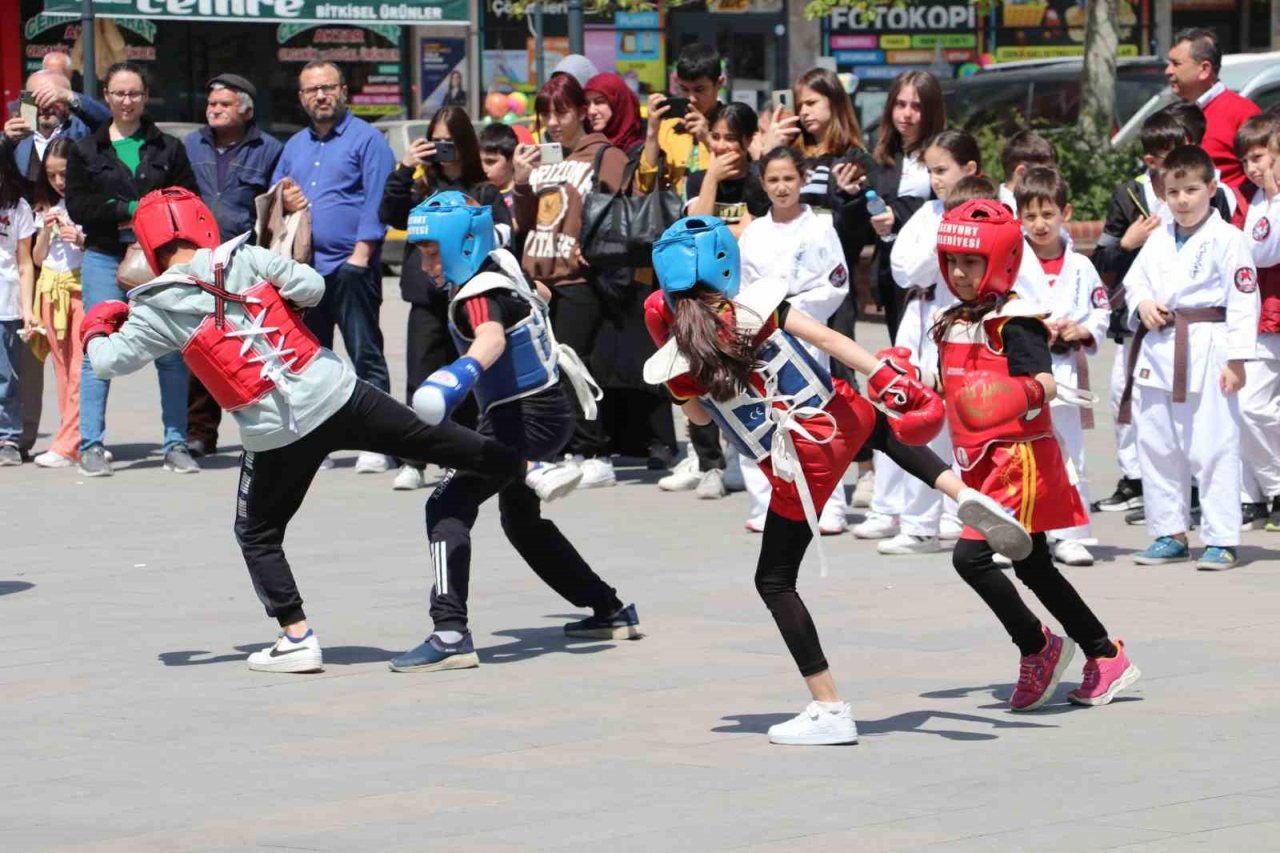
24 151
248 175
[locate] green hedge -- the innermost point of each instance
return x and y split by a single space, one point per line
1093 177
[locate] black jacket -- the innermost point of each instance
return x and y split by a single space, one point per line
884 179
1112 261
398 198
100 187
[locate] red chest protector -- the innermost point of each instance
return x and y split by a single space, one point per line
1269 290
978 346
241 365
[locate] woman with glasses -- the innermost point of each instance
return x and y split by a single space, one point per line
106 175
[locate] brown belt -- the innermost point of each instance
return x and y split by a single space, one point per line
1077 349
1183 318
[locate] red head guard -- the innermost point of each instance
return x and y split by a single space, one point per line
987 228
173 214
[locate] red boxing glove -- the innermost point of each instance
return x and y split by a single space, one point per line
900 357
988 399
916 413
102 320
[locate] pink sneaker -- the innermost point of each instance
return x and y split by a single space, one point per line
1038 674
1104 678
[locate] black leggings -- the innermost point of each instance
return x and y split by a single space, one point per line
274 482
785 542
973 560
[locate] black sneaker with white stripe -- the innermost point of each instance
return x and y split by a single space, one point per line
1128 495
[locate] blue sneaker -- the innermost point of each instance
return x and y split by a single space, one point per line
1215 559
434 655
1166 549
621 624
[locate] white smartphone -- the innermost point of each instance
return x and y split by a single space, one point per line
550 153
783 98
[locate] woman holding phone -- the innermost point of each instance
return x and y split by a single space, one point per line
548 212
447 158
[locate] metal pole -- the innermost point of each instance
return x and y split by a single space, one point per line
576 38
540 59
1164 27
90 72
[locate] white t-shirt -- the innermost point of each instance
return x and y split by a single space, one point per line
915 178
62 257
16 223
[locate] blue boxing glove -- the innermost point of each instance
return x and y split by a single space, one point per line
443 390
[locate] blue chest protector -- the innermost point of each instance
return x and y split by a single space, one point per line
791 377
529 363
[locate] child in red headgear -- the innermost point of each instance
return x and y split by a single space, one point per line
996 375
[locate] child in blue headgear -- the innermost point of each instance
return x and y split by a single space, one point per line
735 358
513 363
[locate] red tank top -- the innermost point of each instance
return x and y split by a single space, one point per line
1269 290
978 346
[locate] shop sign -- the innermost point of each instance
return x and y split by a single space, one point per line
345 12
917 34
1047 30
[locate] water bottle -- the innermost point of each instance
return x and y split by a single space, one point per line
875 207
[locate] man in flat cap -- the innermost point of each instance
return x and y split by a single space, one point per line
233 161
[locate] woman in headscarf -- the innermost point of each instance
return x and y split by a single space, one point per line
614 110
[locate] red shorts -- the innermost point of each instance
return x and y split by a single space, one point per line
1030 479
824 464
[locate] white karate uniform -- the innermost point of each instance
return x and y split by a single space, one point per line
806 253
1075 293
1260 397
1200 437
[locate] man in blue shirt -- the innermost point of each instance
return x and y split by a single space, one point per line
339 166
233 161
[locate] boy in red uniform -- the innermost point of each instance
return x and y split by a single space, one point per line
996 375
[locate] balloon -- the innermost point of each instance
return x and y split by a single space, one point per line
510 118
496 104
518 103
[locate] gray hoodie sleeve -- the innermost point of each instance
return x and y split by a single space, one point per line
133 347
298 283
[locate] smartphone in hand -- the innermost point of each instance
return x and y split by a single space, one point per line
785 99
550 153
28 109
446 152
678 107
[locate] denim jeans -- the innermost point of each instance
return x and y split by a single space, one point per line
98 284
352 297
10 386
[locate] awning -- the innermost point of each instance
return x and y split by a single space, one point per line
342 12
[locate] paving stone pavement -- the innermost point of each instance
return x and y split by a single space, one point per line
130 722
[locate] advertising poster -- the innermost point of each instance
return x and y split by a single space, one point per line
370 56
1045 30
880 42
440 58
640 49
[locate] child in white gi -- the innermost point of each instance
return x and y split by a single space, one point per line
1079 312
1258 146
1192 295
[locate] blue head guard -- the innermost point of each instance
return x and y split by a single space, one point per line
462 229
697 250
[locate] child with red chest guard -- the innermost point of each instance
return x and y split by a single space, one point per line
737 358
996 375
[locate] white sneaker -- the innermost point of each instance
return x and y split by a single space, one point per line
820 724
831 521
733 480
597 473
711 485
1070 552
905 544
49 459
755 524
865 489
876 526
289 656
996 524
551 481
327 463
683 477
407 479
950 528
372 463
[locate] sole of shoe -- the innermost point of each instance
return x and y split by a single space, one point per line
1161 561
622 632
814 740
107 473
712 496
1003 534
1116 506
1126 680
1216 567
65 463
666 486
1068 652
598 484
174 469
404 487
831 531
1077 563
872 535
291 667
469 660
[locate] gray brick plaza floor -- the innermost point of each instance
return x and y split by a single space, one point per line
129 722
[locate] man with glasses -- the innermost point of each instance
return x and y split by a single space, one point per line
233 161
338 165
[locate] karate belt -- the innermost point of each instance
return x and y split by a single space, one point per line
1183 318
